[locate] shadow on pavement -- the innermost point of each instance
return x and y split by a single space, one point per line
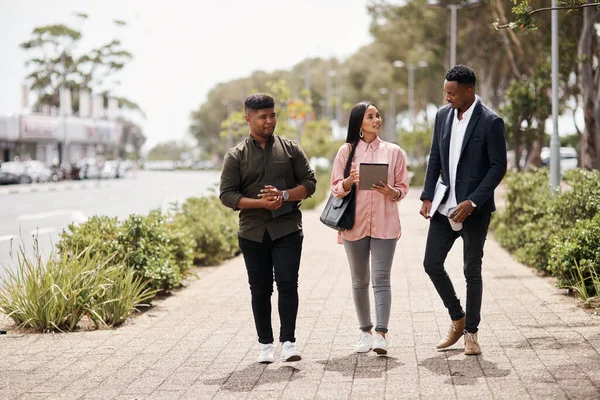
361 366
254 375
465 371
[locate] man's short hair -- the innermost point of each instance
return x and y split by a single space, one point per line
258 101
463 75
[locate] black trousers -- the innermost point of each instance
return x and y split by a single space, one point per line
440 240
279 259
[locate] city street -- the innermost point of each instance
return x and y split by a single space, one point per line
46 210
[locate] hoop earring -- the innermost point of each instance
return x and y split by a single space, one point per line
360 133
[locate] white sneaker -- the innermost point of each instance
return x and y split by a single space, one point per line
267 353
289 352
380 344
365 343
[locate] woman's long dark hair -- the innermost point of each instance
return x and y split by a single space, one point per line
357 114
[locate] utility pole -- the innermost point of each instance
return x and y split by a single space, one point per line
554 141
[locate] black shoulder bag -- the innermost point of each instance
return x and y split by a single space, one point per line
339 213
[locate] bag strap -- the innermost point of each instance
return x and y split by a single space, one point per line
348 162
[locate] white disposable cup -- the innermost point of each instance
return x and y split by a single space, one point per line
456 226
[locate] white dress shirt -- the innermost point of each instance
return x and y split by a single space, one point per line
459 128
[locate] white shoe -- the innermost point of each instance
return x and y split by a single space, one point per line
380 344
365 343
289 352
267 353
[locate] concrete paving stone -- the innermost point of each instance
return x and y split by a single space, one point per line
53 384
367 393
35 396
166 395
12 392
130 397
225 395
142 386
507 386
264 395
542 392
579 389
123 377
466 389
333 391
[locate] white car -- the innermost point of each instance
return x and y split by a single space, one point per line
568 158
38 171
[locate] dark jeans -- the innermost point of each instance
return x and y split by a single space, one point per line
440 239
280 258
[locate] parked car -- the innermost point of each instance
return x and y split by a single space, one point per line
38 171
568 158
90 168
14 172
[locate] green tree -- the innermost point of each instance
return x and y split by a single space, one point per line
54 63
291 113
588 68
171 150
317 142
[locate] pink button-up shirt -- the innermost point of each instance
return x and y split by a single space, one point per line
376 214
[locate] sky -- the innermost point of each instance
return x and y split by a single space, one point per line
183 49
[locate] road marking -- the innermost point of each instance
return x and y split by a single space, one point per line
76 215
6 237
48 214
79 216
41 231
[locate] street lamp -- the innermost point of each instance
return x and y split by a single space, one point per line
453 9
554 140
329 92
411 84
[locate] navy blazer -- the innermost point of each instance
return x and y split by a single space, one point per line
482 161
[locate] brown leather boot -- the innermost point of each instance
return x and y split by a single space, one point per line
471 344
454 333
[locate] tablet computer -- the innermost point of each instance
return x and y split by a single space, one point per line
372 173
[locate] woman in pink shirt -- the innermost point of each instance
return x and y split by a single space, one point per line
377 222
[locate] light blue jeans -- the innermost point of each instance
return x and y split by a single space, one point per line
381 252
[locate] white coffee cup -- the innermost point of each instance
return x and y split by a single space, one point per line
456 226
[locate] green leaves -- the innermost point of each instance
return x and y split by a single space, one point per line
54 62
56 294
552 233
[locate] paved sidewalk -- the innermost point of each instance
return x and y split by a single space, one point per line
200 343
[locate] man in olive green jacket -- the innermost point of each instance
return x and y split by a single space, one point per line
265 177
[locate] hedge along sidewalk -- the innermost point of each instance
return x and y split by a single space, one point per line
123 261
556 234
201 342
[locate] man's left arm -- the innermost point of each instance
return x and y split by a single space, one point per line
496 152
305 177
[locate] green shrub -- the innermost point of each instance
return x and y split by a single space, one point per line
55 295
123 294
525 225
148 244
181 246
533 217
419 172
98 234
582 199
575 254
212 226
144 244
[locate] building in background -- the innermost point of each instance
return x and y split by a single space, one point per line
48 136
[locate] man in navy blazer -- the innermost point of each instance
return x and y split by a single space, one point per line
468 155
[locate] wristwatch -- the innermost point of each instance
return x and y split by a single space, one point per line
285 195
473 204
